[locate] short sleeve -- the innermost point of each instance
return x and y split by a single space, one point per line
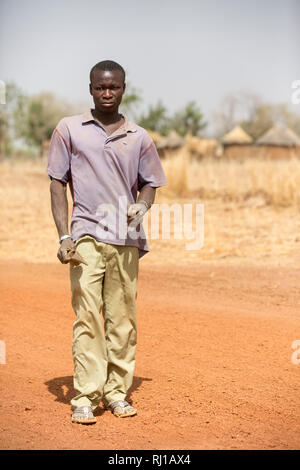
150 172
59 153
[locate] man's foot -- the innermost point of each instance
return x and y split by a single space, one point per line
122 409
83 415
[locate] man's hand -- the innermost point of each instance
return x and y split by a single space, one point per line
66 250
135 213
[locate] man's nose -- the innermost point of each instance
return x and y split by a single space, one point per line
107 93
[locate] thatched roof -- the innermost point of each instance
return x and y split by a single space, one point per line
236 137
172 141
280 136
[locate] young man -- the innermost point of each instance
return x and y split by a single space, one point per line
107 160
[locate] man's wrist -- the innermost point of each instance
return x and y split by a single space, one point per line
146 203
64 237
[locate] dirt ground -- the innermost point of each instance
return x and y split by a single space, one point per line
214 365
213 368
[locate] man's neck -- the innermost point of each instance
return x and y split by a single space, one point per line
107 118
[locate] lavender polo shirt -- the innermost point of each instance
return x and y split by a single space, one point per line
104 174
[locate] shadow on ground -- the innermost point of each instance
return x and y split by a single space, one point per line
63 389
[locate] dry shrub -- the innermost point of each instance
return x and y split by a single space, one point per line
201 148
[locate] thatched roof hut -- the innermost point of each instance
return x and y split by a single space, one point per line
237 136
279 136
237 143
173 141
279 142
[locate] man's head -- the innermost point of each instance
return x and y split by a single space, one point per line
107 85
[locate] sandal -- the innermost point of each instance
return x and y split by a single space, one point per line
83 415
122 409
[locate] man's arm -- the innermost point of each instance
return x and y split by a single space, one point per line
147 194
59 207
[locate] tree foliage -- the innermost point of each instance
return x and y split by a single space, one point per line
8 111
37 116
188 120
156 119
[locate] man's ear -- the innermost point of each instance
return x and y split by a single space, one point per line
90 88
124 87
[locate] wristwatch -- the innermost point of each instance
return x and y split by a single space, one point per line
64 237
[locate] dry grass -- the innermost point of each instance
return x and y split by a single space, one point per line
275 182
176 166
239 225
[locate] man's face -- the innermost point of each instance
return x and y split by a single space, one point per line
107 90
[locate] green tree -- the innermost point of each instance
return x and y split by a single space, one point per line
4 138
155 119
37 116
14 97
188 120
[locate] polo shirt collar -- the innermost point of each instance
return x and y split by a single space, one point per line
128 126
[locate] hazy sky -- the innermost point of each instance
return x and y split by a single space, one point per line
173 50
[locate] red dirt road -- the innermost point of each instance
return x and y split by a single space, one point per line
213 368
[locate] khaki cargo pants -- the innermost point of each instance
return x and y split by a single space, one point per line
103 349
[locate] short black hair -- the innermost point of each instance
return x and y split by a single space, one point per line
107 65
